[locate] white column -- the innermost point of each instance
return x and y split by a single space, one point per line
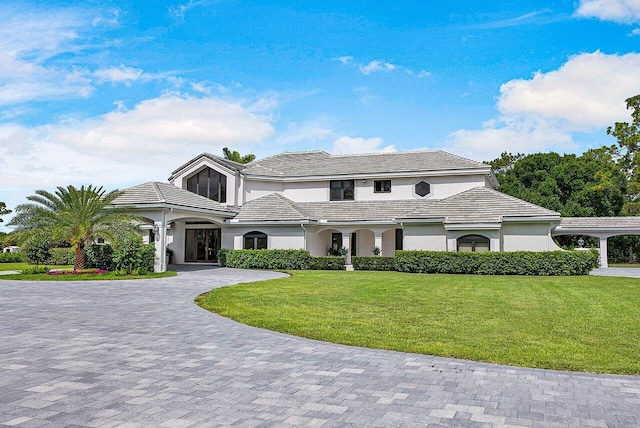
160 259
377 239
346 243
603 253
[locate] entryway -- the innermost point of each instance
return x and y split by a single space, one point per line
202 245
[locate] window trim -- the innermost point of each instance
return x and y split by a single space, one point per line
381 185
474 239
255 236
210 175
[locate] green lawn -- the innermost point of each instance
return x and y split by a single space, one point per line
83 277
20 266
567 323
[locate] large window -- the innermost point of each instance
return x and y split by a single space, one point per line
382 186
399 239
255 241
341 190
473 243
210 184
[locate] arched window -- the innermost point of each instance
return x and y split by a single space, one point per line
475 243
255 241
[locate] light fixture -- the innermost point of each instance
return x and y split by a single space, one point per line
580 242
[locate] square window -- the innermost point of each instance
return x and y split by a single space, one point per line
382 186
341 190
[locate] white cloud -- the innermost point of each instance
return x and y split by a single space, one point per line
27 42
634 32
127 147
343 59
119 74
621 11
306 132
585 94
346 145
376 65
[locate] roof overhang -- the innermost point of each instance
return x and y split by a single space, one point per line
375 175
472 226
233 222
173 207
536 219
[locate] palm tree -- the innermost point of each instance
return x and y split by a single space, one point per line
236 157
77 216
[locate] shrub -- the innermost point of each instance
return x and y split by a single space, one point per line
222 256
373 263
134 255
17 257
327 263
268 259
36 249
99 256
61 256
550 263
35 270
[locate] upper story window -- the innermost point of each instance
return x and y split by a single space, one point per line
341 190
210 184
423 189
382 186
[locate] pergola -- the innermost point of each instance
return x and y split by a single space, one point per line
599 227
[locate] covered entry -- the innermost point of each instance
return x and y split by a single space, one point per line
202 245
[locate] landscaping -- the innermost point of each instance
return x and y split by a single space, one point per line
579 323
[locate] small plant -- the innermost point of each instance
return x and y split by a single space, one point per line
375 251
35 270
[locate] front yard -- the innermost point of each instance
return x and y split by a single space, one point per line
569 323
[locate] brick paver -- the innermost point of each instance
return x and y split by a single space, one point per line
140 354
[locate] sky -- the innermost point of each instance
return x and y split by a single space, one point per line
116 93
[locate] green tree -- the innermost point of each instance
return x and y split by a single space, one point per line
3 210
236 157
75 215
37 247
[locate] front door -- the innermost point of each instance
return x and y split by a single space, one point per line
202 245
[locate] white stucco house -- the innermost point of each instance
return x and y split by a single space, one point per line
416 200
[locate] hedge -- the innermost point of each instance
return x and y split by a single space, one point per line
278 259
61 256
550 263
99 256
15 257
373 263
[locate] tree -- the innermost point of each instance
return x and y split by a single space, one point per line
236 157
3 210
75 215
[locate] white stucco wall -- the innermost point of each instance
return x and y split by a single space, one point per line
527 237
278 237
256 189
425 237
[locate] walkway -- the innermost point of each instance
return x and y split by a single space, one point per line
140 353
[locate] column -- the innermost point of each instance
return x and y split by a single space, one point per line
377 238
603 253
346 243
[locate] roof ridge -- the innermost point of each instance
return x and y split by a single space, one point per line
293 205
159 193
497 193
461 157
385 153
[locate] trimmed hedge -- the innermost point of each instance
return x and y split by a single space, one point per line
327 263
278 259
373 263
222 256
551 263
17 257
99 256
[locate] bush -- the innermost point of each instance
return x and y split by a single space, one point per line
35 270
134 255
36 249
99 256
61 256
17 257
327 263
222 256
268 259
550 263
373 263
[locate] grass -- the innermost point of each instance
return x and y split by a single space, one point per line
568 323
625 265
21 266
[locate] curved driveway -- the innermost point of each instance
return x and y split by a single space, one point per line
140 353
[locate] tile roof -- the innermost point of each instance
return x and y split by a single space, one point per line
154 193
478 205
234 166
319 163
600 222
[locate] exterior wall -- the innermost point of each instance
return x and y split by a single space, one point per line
365 241
401 188
389 243
278 237
232 179
425 237
492 234
527 237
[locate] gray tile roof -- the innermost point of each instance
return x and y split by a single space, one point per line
273 207
319 163
600 222
234 166
155 193
478 205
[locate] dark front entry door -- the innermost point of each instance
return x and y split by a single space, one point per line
202 245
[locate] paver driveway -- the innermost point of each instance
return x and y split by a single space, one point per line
140 353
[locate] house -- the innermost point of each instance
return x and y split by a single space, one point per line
414 200
429 200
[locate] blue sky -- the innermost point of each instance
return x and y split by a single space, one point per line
117 93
